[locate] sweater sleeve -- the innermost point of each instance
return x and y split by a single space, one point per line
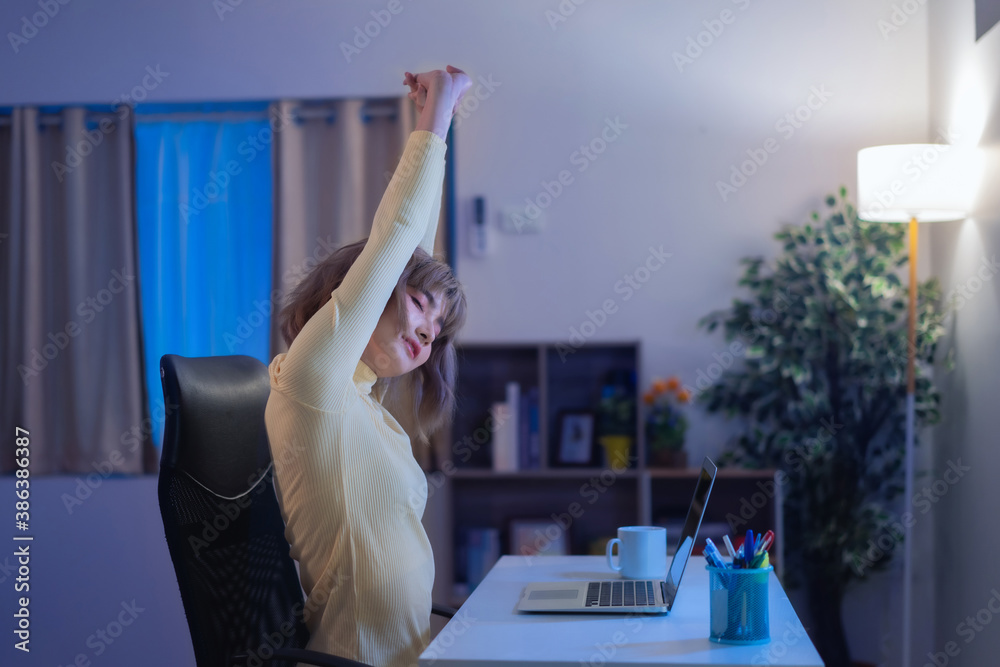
320 362
432 224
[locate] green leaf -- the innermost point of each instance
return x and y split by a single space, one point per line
834 350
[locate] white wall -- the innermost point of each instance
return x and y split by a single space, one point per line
87 559
655 185
965 89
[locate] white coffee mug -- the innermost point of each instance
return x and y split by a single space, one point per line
642 552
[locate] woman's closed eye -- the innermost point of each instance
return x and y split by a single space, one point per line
421 306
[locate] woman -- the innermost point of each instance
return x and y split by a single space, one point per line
375 313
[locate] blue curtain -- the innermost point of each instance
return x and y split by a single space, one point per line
204 217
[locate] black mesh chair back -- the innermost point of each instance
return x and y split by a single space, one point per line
220 514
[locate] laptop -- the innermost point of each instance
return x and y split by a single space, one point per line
633 596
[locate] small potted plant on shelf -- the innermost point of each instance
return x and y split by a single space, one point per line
665 423
616 423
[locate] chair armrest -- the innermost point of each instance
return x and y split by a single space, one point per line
306 657
326 660
443 610
317 658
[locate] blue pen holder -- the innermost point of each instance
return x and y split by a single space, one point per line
738 605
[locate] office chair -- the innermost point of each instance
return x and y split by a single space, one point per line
222 521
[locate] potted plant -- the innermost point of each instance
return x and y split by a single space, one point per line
665 423
616 420
822 393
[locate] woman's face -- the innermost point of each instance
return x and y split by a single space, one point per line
392 352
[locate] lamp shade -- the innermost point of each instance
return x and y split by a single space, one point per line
929 182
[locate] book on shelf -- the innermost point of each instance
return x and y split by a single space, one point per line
482 551
534 434
529 443
516 443
503 441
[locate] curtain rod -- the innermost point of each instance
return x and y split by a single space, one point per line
300 113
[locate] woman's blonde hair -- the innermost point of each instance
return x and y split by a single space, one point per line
424 399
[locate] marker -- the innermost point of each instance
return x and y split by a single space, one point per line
764 542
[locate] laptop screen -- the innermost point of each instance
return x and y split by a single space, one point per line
690 532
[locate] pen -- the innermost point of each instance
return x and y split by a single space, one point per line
712 554
729 546
714 559
765 543
748 547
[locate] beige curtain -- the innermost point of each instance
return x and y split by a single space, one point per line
72 363
332 164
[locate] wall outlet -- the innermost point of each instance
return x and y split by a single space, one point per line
514 221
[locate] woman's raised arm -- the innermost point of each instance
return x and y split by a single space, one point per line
434 121
322 358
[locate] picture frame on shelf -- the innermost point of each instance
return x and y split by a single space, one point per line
537 537
575 430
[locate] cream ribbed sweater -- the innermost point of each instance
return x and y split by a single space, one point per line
350 491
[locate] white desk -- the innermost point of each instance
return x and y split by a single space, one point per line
488 630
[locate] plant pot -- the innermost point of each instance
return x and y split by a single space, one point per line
616 449
668 458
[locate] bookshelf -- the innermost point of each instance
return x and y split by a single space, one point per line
576 507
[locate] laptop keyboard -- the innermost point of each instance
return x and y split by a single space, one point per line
620 594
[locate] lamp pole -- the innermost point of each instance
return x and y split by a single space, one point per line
911 386
942 192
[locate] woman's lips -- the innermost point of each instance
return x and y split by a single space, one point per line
410 347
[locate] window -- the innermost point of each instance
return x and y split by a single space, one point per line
203 208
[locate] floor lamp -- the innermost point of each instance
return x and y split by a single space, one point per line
914 183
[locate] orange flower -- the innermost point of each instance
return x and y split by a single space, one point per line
660 386
673 383
683 396
649 398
